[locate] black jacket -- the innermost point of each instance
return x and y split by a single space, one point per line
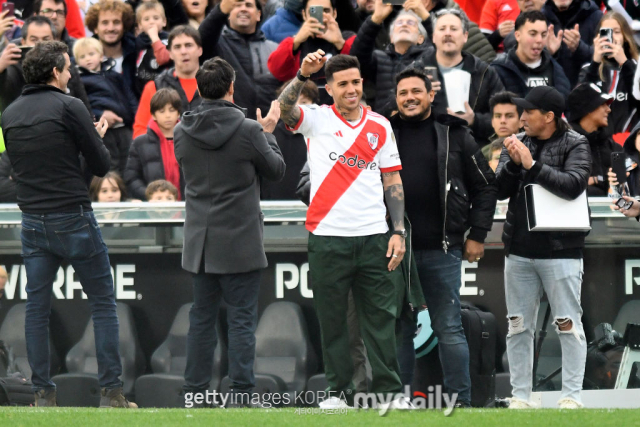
12 82
147 66
484 83
633 156
130 58
587 15
465 179
223 156
107 91
624 109
255 87
601 146
145 165
563 168
45 131
380 67
514 81
7 181
168 79
294 152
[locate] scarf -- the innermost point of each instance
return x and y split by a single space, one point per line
171 168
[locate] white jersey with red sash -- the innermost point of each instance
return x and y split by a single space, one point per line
346 160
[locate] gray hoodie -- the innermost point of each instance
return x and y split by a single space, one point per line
223 156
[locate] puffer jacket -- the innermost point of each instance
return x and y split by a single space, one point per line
563 168
255 87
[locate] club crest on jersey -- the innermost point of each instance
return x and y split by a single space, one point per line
372 138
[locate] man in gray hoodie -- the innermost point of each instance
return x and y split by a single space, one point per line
223 156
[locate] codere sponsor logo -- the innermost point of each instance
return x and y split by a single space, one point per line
353 162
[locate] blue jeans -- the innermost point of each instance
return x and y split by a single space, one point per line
47 240
240 293
440 276
524 281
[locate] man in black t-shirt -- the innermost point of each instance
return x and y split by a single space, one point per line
449 189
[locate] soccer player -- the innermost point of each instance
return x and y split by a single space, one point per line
350 244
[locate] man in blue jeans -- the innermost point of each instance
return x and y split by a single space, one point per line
449 188
45 132
557 158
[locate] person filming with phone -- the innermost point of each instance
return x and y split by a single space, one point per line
319 31
36 29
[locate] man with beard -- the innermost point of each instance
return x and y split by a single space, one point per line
111 21
45 132
449 189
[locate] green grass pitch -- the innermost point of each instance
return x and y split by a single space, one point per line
16 417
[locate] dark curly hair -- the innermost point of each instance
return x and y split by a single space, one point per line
93 14
39 63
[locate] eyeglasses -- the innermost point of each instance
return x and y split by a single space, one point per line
409 22
50 12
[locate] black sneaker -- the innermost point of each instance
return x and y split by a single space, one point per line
45 398
462 405
114 398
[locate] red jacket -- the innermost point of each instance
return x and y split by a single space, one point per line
74 26
284 65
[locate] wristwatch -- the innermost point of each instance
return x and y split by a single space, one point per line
301 77
402 233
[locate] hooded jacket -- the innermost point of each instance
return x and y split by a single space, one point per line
587 15
485 82
255 87
467 184
223 156
514 80
107 91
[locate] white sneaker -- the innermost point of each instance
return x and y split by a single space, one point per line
401 403
515 403
569 403
334 403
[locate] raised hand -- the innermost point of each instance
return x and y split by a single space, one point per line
271 120
312 63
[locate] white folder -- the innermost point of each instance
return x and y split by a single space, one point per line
548 212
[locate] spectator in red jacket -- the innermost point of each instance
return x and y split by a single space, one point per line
498 20
285 60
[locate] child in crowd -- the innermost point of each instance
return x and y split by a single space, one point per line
152 155
161 191
109 98
151 43
109 188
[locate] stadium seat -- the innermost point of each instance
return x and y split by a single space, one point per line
12 333
163 388
284 356
629 313
80 386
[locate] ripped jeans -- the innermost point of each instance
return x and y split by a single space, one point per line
524 281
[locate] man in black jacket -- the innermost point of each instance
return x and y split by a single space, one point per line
245 47
35 29
45 132
449 188
450 33
530 64
557 158
589 109
408 43
223 156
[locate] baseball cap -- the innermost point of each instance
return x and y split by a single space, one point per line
586 98
545 98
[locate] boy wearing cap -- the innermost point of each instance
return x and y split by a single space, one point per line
589 109
552 155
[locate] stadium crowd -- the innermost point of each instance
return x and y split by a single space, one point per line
551 66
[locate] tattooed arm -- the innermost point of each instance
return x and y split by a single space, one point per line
394 197
289 111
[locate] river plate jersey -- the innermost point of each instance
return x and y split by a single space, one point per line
346 160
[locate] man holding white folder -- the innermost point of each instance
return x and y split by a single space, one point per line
557 158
